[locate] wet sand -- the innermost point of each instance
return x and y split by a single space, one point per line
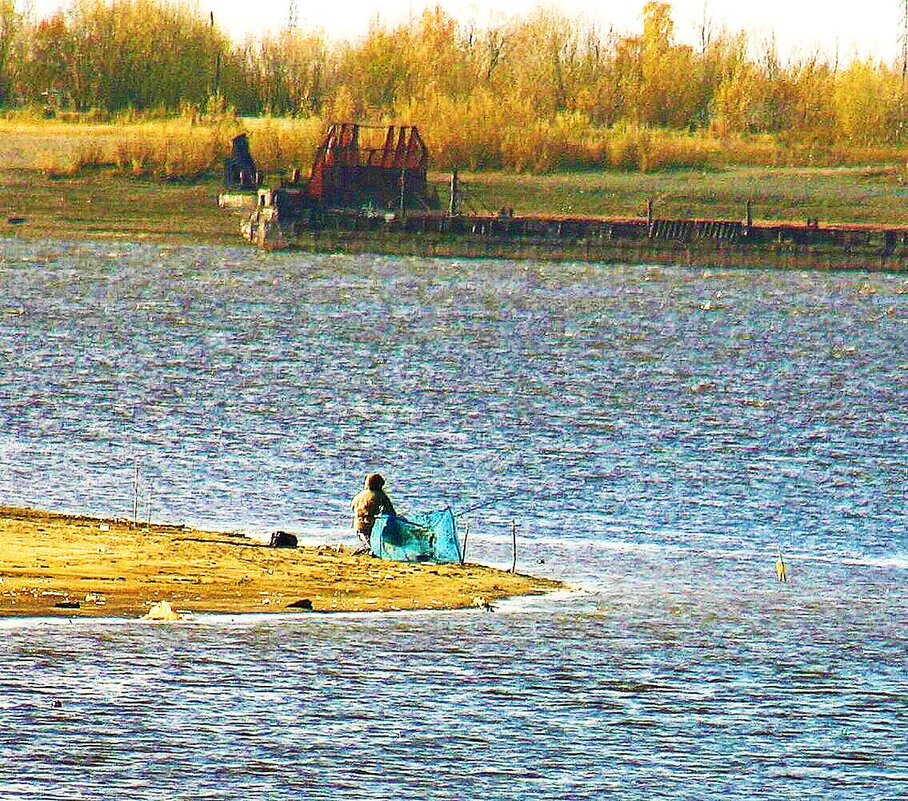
53 564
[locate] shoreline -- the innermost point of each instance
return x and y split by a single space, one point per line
706 254
61 565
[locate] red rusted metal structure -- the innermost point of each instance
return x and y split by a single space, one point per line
363 177
385 167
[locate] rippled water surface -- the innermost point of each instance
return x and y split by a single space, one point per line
665 432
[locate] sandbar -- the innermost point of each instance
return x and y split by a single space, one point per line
54 564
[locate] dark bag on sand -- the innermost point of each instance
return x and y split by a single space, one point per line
281 539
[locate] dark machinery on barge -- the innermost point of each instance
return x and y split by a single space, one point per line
368 190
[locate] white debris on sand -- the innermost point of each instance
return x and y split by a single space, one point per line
162 610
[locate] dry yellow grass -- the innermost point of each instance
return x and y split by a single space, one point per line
474 135
178 148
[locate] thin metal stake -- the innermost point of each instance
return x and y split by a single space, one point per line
135 496
403 189
463 547
514 540
453 205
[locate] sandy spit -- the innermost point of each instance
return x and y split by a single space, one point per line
55 564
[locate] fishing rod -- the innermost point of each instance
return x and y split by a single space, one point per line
489 502
462 547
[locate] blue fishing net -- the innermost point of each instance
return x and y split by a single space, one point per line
428 537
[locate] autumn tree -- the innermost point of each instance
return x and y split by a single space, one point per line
10 39
374 70
124 54
755 97
442 59
288 73
538 91
810 116
596 93
867 103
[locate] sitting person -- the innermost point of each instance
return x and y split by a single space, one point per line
368 505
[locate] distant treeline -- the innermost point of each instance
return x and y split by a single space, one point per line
536 92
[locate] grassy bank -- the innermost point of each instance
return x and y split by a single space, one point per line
103 205
844 194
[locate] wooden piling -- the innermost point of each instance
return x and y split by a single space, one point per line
455 188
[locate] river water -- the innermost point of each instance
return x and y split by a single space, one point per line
656 435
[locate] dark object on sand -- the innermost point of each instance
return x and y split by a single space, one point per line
282 539
304 604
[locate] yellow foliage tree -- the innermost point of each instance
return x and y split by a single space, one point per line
868 104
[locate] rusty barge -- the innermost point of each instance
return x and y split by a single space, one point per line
368 191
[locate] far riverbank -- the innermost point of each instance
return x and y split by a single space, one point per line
102 205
